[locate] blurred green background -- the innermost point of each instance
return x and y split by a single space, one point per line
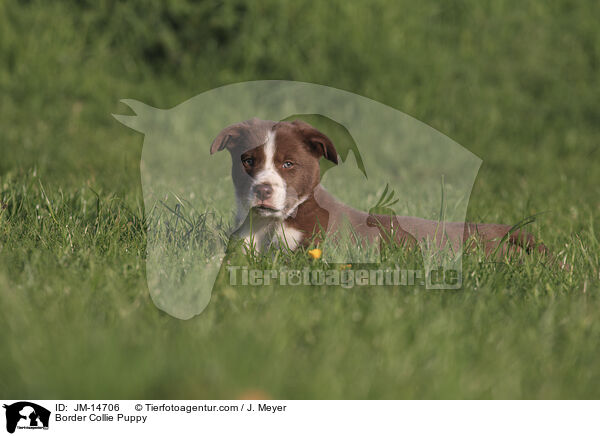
517 83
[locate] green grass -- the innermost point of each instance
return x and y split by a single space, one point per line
515 83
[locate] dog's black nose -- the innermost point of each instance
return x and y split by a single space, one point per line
263 192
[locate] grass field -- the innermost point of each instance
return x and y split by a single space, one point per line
516 83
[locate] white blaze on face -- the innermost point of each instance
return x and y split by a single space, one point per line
269 175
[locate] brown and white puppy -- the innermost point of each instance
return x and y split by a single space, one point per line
275 170
276 174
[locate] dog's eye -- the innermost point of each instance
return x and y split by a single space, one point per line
288 164
248 161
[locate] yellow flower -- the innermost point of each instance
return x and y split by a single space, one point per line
347 266
315 253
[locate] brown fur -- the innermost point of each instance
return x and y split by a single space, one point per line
304 145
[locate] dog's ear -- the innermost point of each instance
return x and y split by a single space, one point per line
319 141
226 138
249 133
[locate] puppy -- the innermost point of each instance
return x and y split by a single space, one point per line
276 175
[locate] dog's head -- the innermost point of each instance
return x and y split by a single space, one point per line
275 166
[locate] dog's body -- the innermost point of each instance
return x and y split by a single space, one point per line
275 170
